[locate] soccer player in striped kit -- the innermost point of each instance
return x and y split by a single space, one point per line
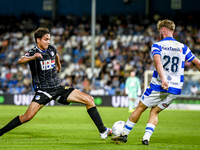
45 65
169 57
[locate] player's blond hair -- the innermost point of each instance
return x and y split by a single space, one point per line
166 23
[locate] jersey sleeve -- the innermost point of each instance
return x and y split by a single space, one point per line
29 53
189 55
155 49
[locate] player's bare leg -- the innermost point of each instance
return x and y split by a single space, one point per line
77 96
135 115
133 119
151 124
153 118
29 114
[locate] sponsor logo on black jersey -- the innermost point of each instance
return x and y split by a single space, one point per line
37 97
47 64
52 53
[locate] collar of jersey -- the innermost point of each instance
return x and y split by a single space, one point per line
168 38
41 50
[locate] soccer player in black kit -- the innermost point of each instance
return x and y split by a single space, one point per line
45 65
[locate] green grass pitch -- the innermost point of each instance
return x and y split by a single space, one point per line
70 128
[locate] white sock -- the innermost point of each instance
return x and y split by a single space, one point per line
148 131
128 127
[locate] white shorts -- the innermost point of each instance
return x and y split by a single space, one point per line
151 98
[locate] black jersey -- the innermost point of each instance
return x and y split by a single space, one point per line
43 70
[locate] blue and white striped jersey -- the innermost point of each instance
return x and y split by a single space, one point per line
173 56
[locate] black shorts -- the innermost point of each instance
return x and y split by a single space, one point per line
59 94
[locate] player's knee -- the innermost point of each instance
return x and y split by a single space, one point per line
154 111
90 100
26 118
141 108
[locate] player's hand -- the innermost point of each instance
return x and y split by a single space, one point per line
37 55
58 70
165 85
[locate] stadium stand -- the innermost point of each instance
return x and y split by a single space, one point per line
121 45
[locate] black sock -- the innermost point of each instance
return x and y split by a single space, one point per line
11 125
94 114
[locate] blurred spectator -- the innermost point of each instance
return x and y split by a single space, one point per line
122 43
194 90
27 86
86 85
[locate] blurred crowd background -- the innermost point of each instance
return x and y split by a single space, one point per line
122 44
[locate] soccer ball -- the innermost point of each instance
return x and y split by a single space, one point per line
118 128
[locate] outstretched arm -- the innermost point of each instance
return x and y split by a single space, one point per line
160 71
58 65
196 61
24 59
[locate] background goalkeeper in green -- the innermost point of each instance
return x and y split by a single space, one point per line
133 89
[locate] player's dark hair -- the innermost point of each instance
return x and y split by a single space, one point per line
40 32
